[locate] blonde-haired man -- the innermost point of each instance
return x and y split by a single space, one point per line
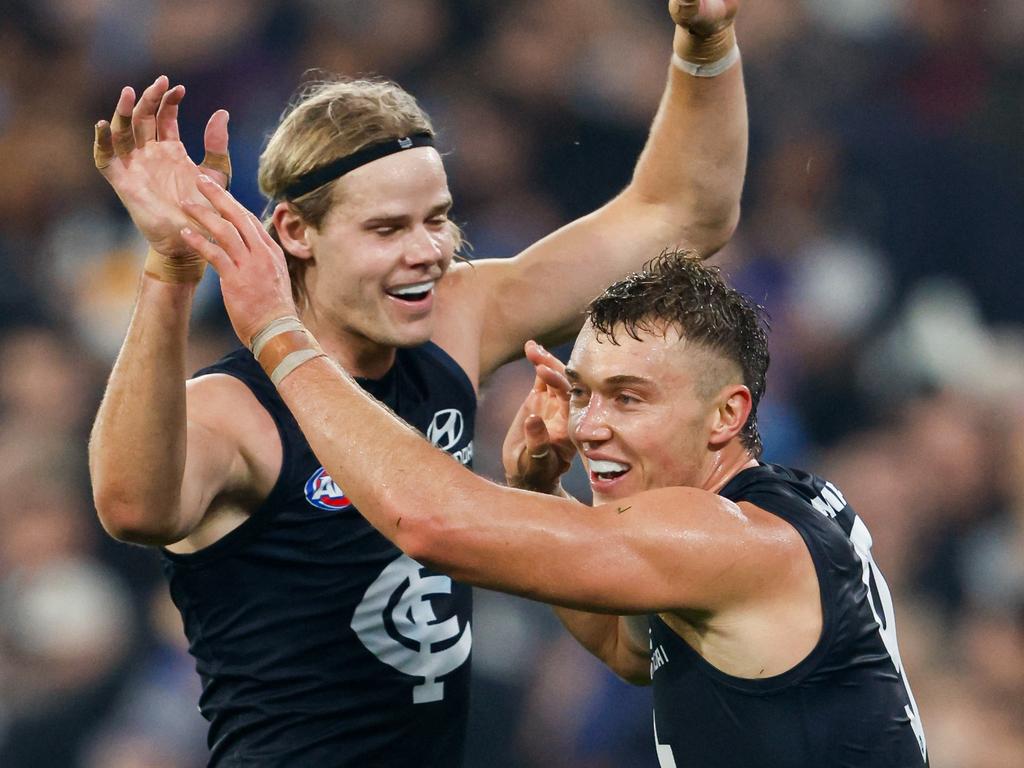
319 642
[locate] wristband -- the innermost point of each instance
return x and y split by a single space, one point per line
282 346
174 269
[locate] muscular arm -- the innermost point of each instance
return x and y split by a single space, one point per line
156 460
137 453
662 550
685 192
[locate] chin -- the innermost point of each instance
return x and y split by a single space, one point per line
405 338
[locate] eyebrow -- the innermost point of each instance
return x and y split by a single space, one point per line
621 379
626 379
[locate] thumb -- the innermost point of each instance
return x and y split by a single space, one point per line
683 11
215 141
538 442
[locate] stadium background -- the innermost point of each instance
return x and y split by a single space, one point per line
882 228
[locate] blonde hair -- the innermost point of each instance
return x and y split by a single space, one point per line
326 120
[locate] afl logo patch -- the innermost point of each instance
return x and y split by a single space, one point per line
324 493
445 429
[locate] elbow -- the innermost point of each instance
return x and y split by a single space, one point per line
134 522
634 677
711 235
422 537
634 669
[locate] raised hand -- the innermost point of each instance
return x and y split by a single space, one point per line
703 18
537 450
253 274
140 153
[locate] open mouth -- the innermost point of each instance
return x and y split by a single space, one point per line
606 471
412 293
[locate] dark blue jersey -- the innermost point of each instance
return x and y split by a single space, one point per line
318 642
846 705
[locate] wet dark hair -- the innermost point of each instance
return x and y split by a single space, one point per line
677 290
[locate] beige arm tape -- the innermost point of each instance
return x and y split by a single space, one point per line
282 346
218 161
175 269
103 146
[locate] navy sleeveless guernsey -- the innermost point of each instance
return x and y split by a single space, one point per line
318 642
847 705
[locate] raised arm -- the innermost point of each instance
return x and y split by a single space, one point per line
156 461
685 192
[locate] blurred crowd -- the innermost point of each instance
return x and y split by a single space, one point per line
881 228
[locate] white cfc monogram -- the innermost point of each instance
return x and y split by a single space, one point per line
414 619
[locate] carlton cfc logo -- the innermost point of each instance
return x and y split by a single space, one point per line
324 493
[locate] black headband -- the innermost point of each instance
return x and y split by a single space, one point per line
337 168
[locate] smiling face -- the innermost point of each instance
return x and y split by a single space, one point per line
645 413
379 252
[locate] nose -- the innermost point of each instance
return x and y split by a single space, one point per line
423 247
590 423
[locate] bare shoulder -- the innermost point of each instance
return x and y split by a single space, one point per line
782 552
224 411
233 458
714 552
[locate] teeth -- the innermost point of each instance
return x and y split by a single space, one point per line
606 467
408 290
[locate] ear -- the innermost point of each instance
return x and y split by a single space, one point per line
292 231
730 415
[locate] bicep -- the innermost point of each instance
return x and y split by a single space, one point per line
665 550
542 293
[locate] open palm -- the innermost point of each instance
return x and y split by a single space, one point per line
140 153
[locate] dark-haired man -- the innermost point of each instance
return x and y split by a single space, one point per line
770 637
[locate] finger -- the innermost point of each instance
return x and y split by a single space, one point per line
538 442
222 231
264 234
103 146
121 123
245 224
144 114
683 11
538 355
215 141
555 380
167 115
212 253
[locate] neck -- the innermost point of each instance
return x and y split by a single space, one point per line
725 464
357 355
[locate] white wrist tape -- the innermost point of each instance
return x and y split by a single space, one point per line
293 361
712 69
282 346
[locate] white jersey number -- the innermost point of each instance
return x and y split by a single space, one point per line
664 751
830 503
880 600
